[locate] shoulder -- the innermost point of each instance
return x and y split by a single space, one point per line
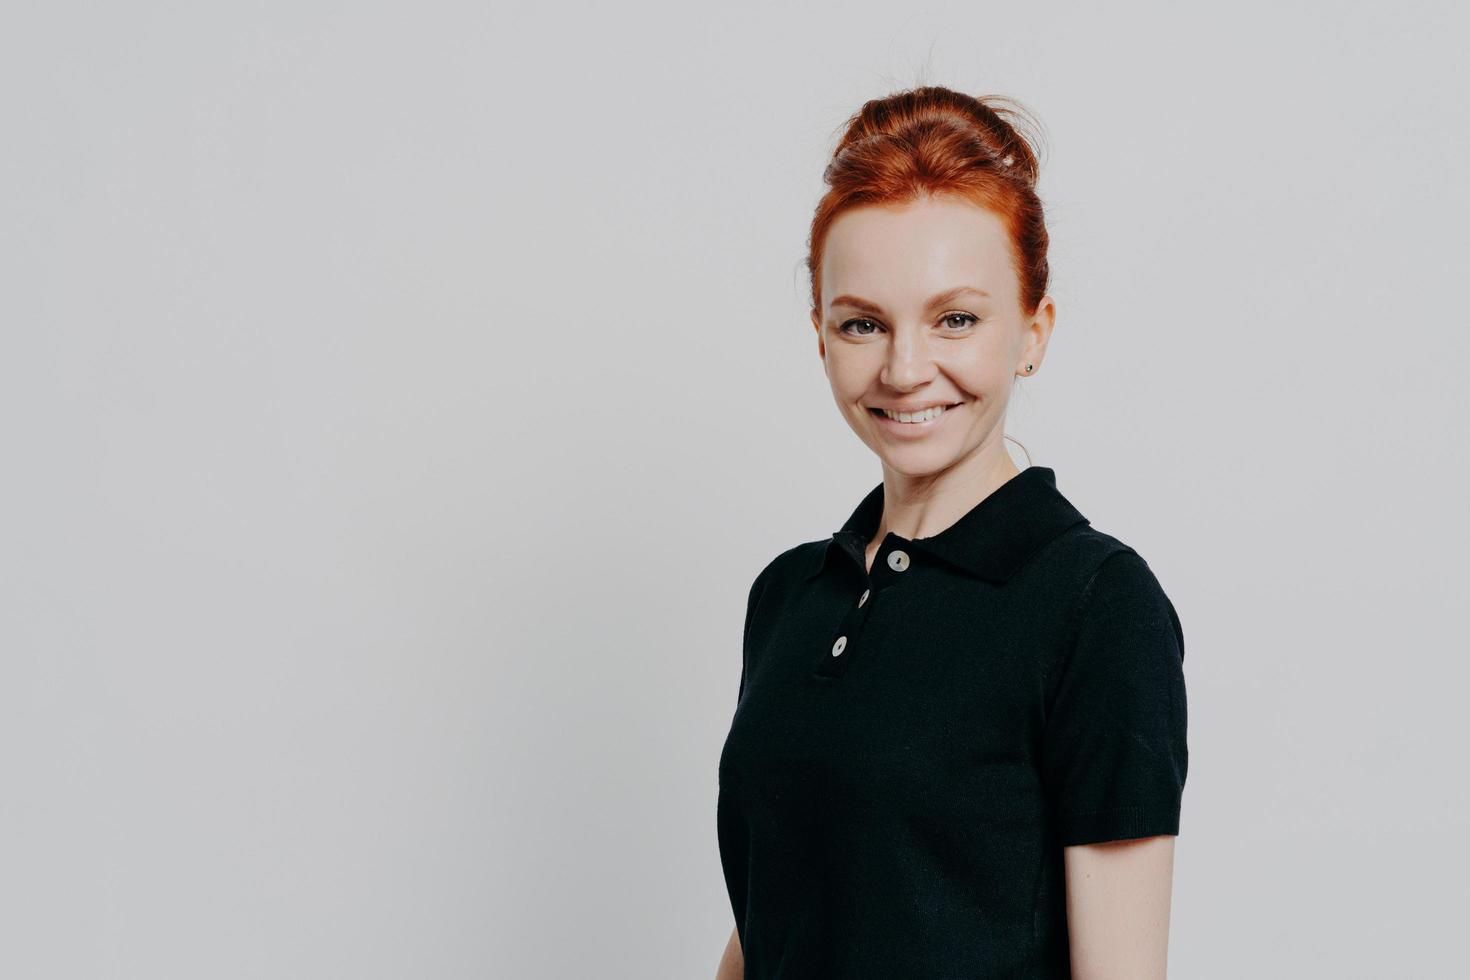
1119 597
1085 549
1096 559
790 565
780 576
1105 571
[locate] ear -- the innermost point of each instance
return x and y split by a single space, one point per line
821 341
1038 332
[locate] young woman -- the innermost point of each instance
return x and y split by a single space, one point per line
959 745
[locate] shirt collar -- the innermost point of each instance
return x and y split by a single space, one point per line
992 540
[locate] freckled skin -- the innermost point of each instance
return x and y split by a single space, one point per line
915 354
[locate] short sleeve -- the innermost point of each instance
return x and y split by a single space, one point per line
1114 752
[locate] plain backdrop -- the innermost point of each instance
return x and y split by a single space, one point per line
398 400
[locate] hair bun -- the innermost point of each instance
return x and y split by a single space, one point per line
932 140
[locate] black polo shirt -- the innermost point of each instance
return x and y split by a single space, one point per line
913 746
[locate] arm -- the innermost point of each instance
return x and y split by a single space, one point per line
1115 755
1118 896
732 964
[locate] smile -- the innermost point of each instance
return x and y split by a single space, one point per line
912 418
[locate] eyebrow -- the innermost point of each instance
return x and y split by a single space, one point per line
868 306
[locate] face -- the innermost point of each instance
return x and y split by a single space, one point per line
922 313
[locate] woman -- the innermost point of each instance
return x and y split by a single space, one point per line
959 746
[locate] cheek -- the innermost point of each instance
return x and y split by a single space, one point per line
981 374
850 377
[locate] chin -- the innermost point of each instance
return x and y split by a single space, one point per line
917 461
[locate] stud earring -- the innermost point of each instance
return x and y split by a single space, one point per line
1028 369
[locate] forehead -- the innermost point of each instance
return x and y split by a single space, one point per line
907 254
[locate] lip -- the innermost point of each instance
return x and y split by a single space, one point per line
915 408
910 430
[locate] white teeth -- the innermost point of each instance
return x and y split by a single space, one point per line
926 415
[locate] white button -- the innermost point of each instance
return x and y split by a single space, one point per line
864 598
898 560
839 646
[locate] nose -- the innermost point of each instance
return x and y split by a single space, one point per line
910 363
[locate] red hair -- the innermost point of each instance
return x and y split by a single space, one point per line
932 141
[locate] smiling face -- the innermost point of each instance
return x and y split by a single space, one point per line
922 313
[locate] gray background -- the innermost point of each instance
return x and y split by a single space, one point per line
398 401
